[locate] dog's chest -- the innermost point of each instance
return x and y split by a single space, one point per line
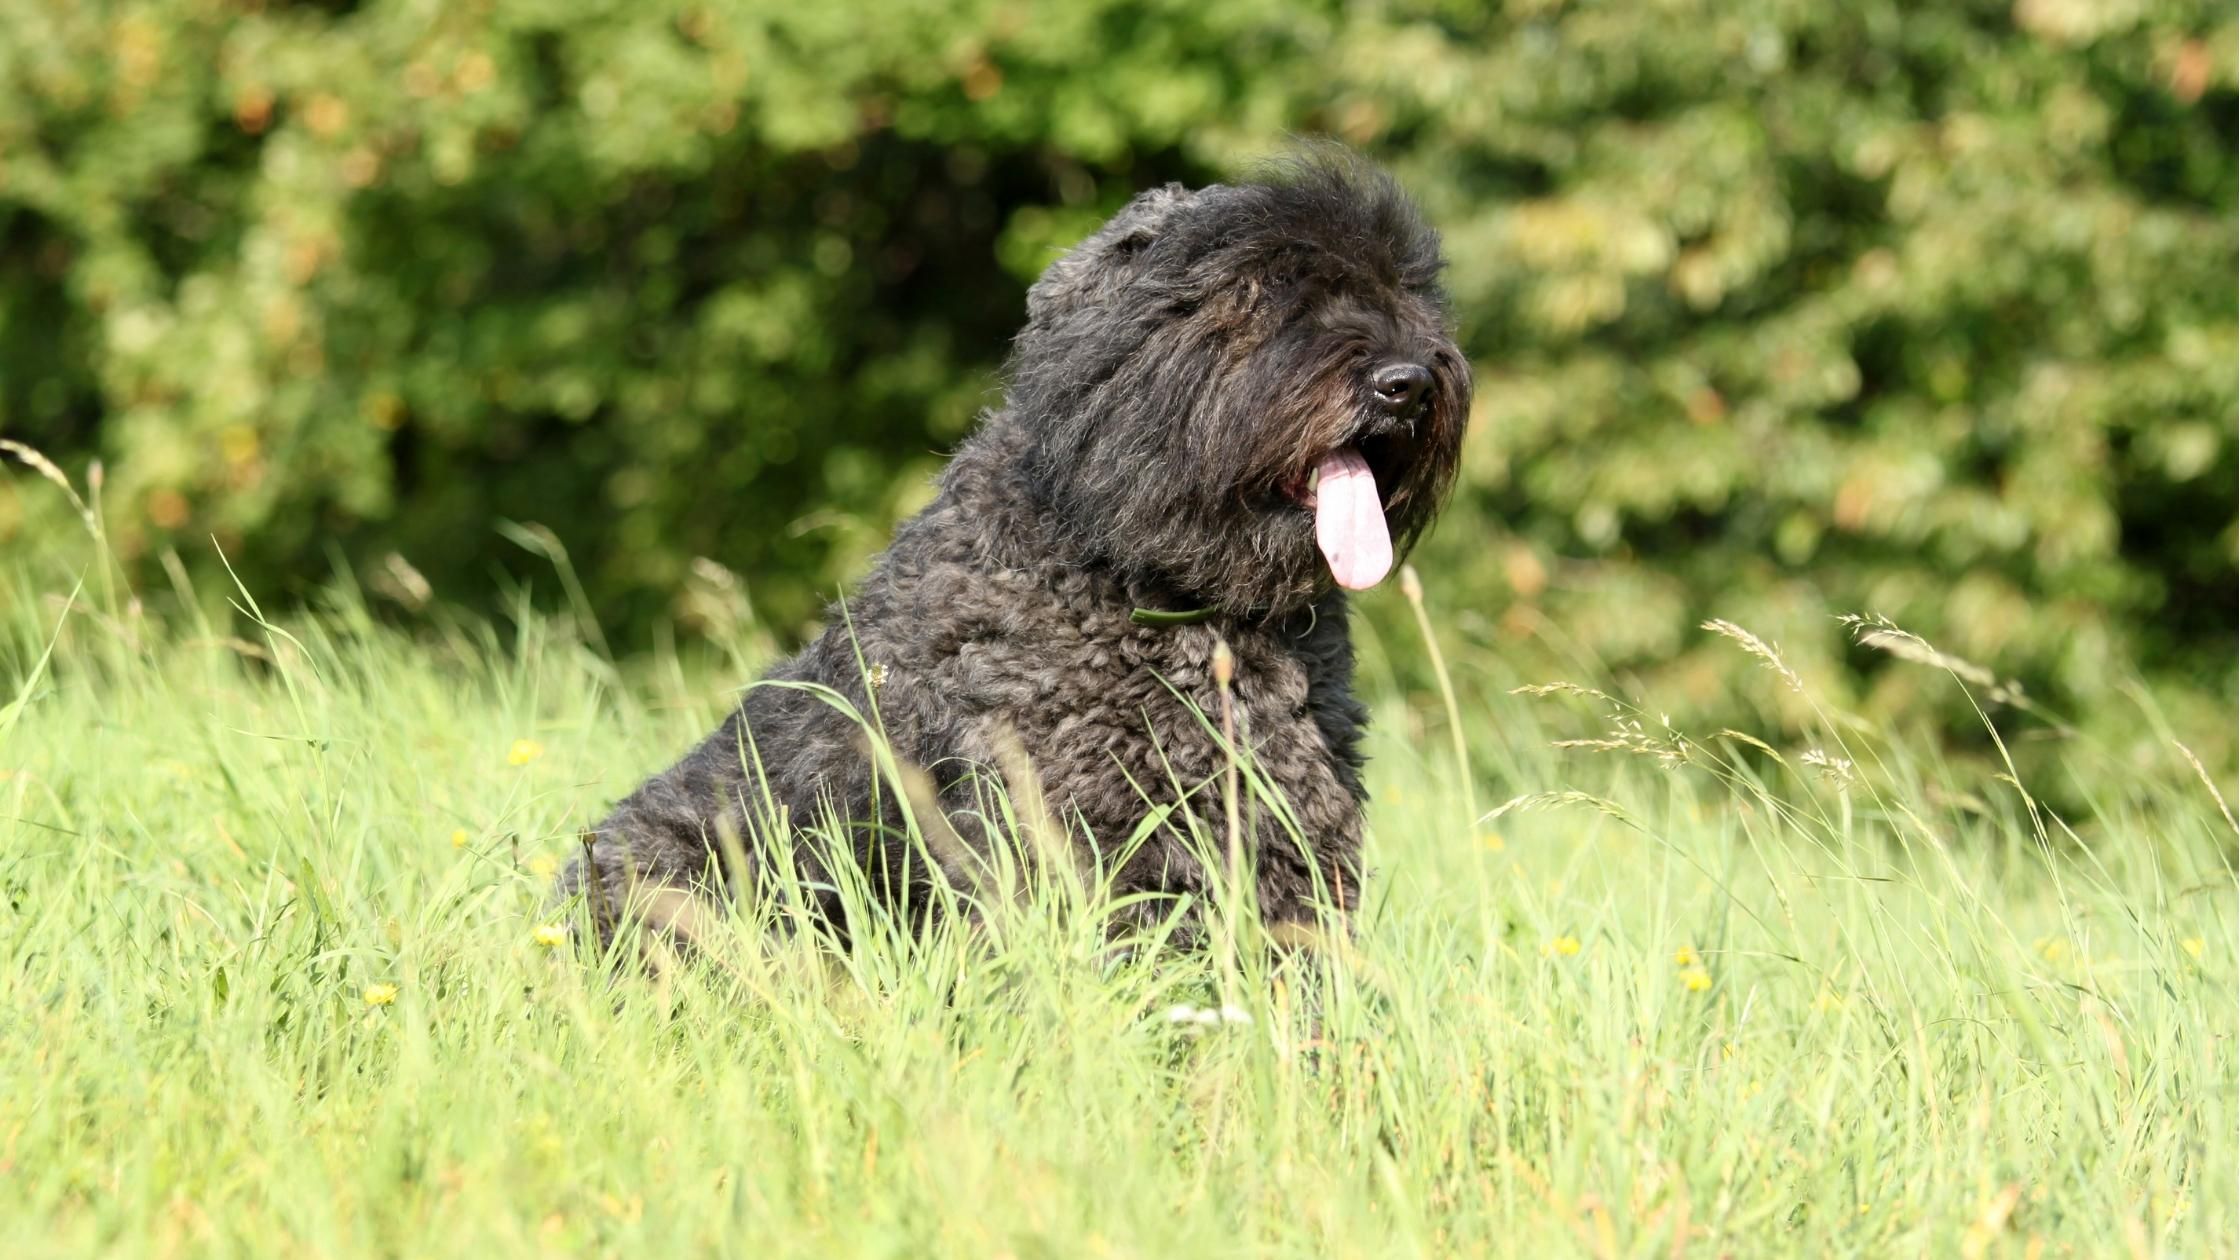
1117 718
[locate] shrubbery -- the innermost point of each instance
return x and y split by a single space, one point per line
1779 308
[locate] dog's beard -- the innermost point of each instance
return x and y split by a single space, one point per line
1366 486
1265 510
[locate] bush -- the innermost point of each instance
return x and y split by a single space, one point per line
1779 308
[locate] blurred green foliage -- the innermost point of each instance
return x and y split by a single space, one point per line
1780 308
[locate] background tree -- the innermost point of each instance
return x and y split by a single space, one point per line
1779 308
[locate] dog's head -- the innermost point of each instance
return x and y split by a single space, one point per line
1247 392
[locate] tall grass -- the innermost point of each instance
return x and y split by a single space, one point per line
277 976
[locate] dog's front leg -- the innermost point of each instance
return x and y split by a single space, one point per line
657 882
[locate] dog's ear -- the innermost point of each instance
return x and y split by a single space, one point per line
1099 263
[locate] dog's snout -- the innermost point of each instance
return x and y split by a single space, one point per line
1401 388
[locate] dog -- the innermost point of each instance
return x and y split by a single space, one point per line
1227 409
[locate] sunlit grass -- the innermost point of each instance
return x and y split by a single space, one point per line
280 977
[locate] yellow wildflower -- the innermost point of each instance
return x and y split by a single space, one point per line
523 752
544 866
550 935
1564 945
1492 841
380 994
1695 979
629 1210
2052 948
459 838
1685 956
1827 1000
2193 945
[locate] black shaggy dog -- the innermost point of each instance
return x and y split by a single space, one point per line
1227 407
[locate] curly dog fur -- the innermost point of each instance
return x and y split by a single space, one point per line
1181 375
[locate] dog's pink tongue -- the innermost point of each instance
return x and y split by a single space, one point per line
1349 522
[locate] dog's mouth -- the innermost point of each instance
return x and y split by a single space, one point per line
1345 492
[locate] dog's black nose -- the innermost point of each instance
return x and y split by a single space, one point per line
1401 387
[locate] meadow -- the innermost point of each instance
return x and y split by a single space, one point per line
279 976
